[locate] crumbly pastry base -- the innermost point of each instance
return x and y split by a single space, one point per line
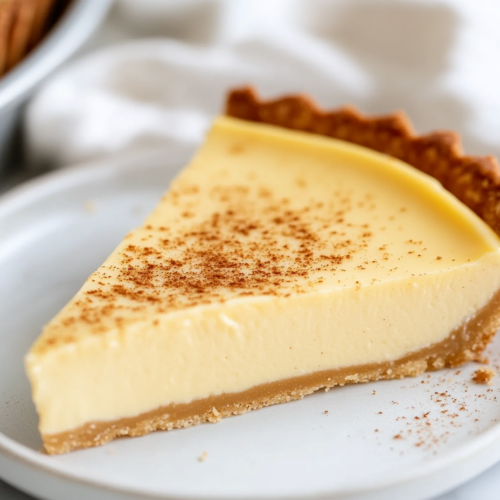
464 344
475 181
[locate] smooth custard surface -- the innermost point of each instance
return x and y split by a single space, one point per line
274 254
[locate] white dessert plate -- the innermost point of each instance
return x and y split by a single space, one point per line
410 439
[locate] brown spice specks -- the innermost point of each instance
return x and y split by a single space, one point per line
452 408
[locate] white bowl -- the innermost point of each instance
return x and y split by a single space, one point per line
75 26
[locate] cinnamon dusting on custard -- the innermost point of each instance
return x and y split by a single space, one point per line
254 244
273 250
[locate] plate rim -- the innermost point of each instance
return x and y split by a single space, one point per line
42 186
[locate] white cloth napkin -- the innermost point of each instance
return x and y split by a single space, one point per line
438 61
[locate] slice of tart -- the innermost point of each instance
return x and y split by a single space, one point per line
281 260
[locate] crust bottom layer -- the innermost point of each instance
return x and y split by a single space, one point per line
466 343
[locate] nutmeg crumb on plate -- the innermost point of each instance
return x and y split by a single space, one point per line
203 457
483 375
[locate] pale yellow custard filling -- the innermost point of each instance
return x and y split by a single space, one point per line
274 254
